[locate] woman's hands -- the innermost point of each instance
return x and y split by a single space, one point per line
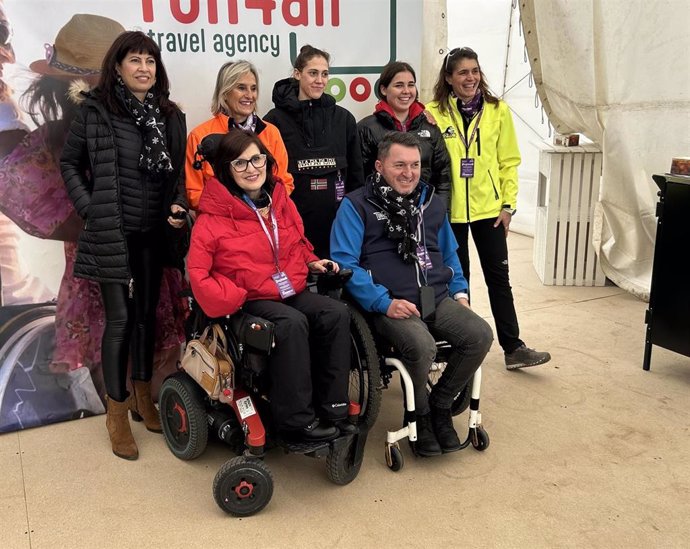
323 266
177 216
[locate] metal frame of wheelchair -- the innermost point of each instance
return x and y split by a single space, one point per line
467 398
244 484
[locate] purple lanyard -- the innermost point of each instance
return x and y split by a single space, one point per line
461 134
275 243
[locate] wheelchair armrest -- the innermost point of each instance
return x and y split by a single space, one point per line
331 281
253 331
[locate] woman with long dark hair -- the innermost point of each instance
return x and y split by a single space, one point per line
478 131
123 167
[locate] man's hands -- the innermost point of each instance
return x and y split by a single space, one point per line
401 308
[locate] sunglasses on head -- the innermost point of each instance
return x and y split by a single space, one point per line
462 52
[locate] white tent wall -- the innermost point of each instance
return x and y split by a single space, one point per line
618 72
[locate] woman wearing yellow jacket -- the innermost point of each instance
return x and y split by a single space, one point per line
480 138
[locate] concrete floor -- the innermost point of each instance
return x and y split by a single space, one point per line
586 451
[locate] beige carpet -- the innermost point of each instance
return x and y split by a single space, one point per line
586 451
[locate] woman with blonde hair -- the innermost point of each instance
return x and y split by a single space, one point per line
234 106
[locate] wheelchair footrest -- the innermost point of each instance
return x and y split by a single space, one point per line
305 447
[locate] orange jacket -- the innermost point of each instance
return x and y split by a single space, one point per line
195 179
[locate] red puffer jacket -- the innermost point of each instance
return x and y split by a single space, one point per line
230 258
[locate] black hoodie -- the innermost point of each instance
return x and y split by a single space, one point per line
322 144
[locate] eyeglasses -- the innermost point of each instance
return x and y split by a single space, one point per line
5 33
241 165
462 52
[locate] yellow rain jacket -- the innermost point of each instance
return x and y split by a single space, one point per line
496 159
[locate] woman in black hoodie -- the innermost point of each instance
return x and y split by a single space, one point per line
322 143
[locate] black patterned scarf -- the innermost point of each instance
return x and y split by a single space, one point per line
402 213
154 157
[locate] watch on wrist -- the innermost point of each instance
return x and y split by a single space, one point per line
509 209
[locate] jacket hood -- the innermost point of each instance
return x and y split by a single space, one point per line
383 108
286 93
78 91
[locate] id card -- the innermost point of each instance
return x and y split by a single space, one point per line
423 257
467 167
339 188
427 303
284 286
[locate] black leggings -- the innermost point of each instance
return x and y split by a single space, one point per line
130 323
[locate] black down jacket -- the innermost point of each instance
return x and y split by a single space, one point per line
435 159
90 168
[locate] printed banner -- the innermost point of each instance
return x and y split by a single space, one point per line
51 323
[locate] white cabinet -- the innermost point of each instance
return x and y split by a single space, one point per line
569 179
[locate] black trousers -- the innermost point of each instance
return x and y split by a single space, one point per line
130 323
310 364
492 248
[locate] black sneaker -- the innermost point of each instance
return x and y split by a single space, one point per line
524 357
311 433
346 427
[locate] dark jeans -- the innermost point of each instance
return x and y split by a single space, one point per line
467 332
309 367
130 324
492 248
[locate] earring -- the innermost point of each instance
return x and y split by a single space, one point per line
378 177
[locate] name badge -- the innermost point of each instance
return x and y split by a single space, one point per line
284 286
467 167
339 188
423 257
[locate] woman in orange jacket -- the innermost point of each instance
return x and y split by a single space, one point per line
234 106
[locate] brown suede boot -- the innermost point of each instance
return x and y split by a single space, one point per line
142 406
119 431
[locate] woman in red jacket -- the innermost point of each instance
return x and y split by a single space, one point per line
249 251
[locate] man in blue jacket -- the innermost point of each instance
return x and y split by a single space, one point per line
395 236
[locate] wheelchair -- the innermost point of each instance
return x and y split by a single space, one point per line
244 484
390 362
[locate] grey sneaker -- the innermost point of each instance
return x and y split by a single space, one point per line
524 357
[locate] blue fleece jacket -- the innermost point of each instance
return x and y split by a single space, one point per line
347 243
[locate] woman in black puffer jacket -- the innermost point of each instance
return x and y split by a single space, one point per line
322 145
123 167
400 111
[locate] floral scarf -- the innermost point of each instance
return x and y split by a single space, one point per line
402 213
154 157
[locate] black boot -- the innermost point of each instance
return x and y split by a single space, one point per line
313 432
442 422
426 444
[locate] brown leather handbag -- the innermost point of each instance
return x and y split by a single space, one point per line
206 359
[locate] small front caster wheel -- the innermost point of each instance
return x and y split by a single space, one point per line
480 438
243 486
394 457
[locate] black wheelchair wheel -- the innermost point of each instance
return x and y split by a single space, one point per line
342 462
243 486
183 416
365 374
479 438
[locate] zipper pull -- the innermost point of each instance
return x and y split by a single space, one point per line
131 288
